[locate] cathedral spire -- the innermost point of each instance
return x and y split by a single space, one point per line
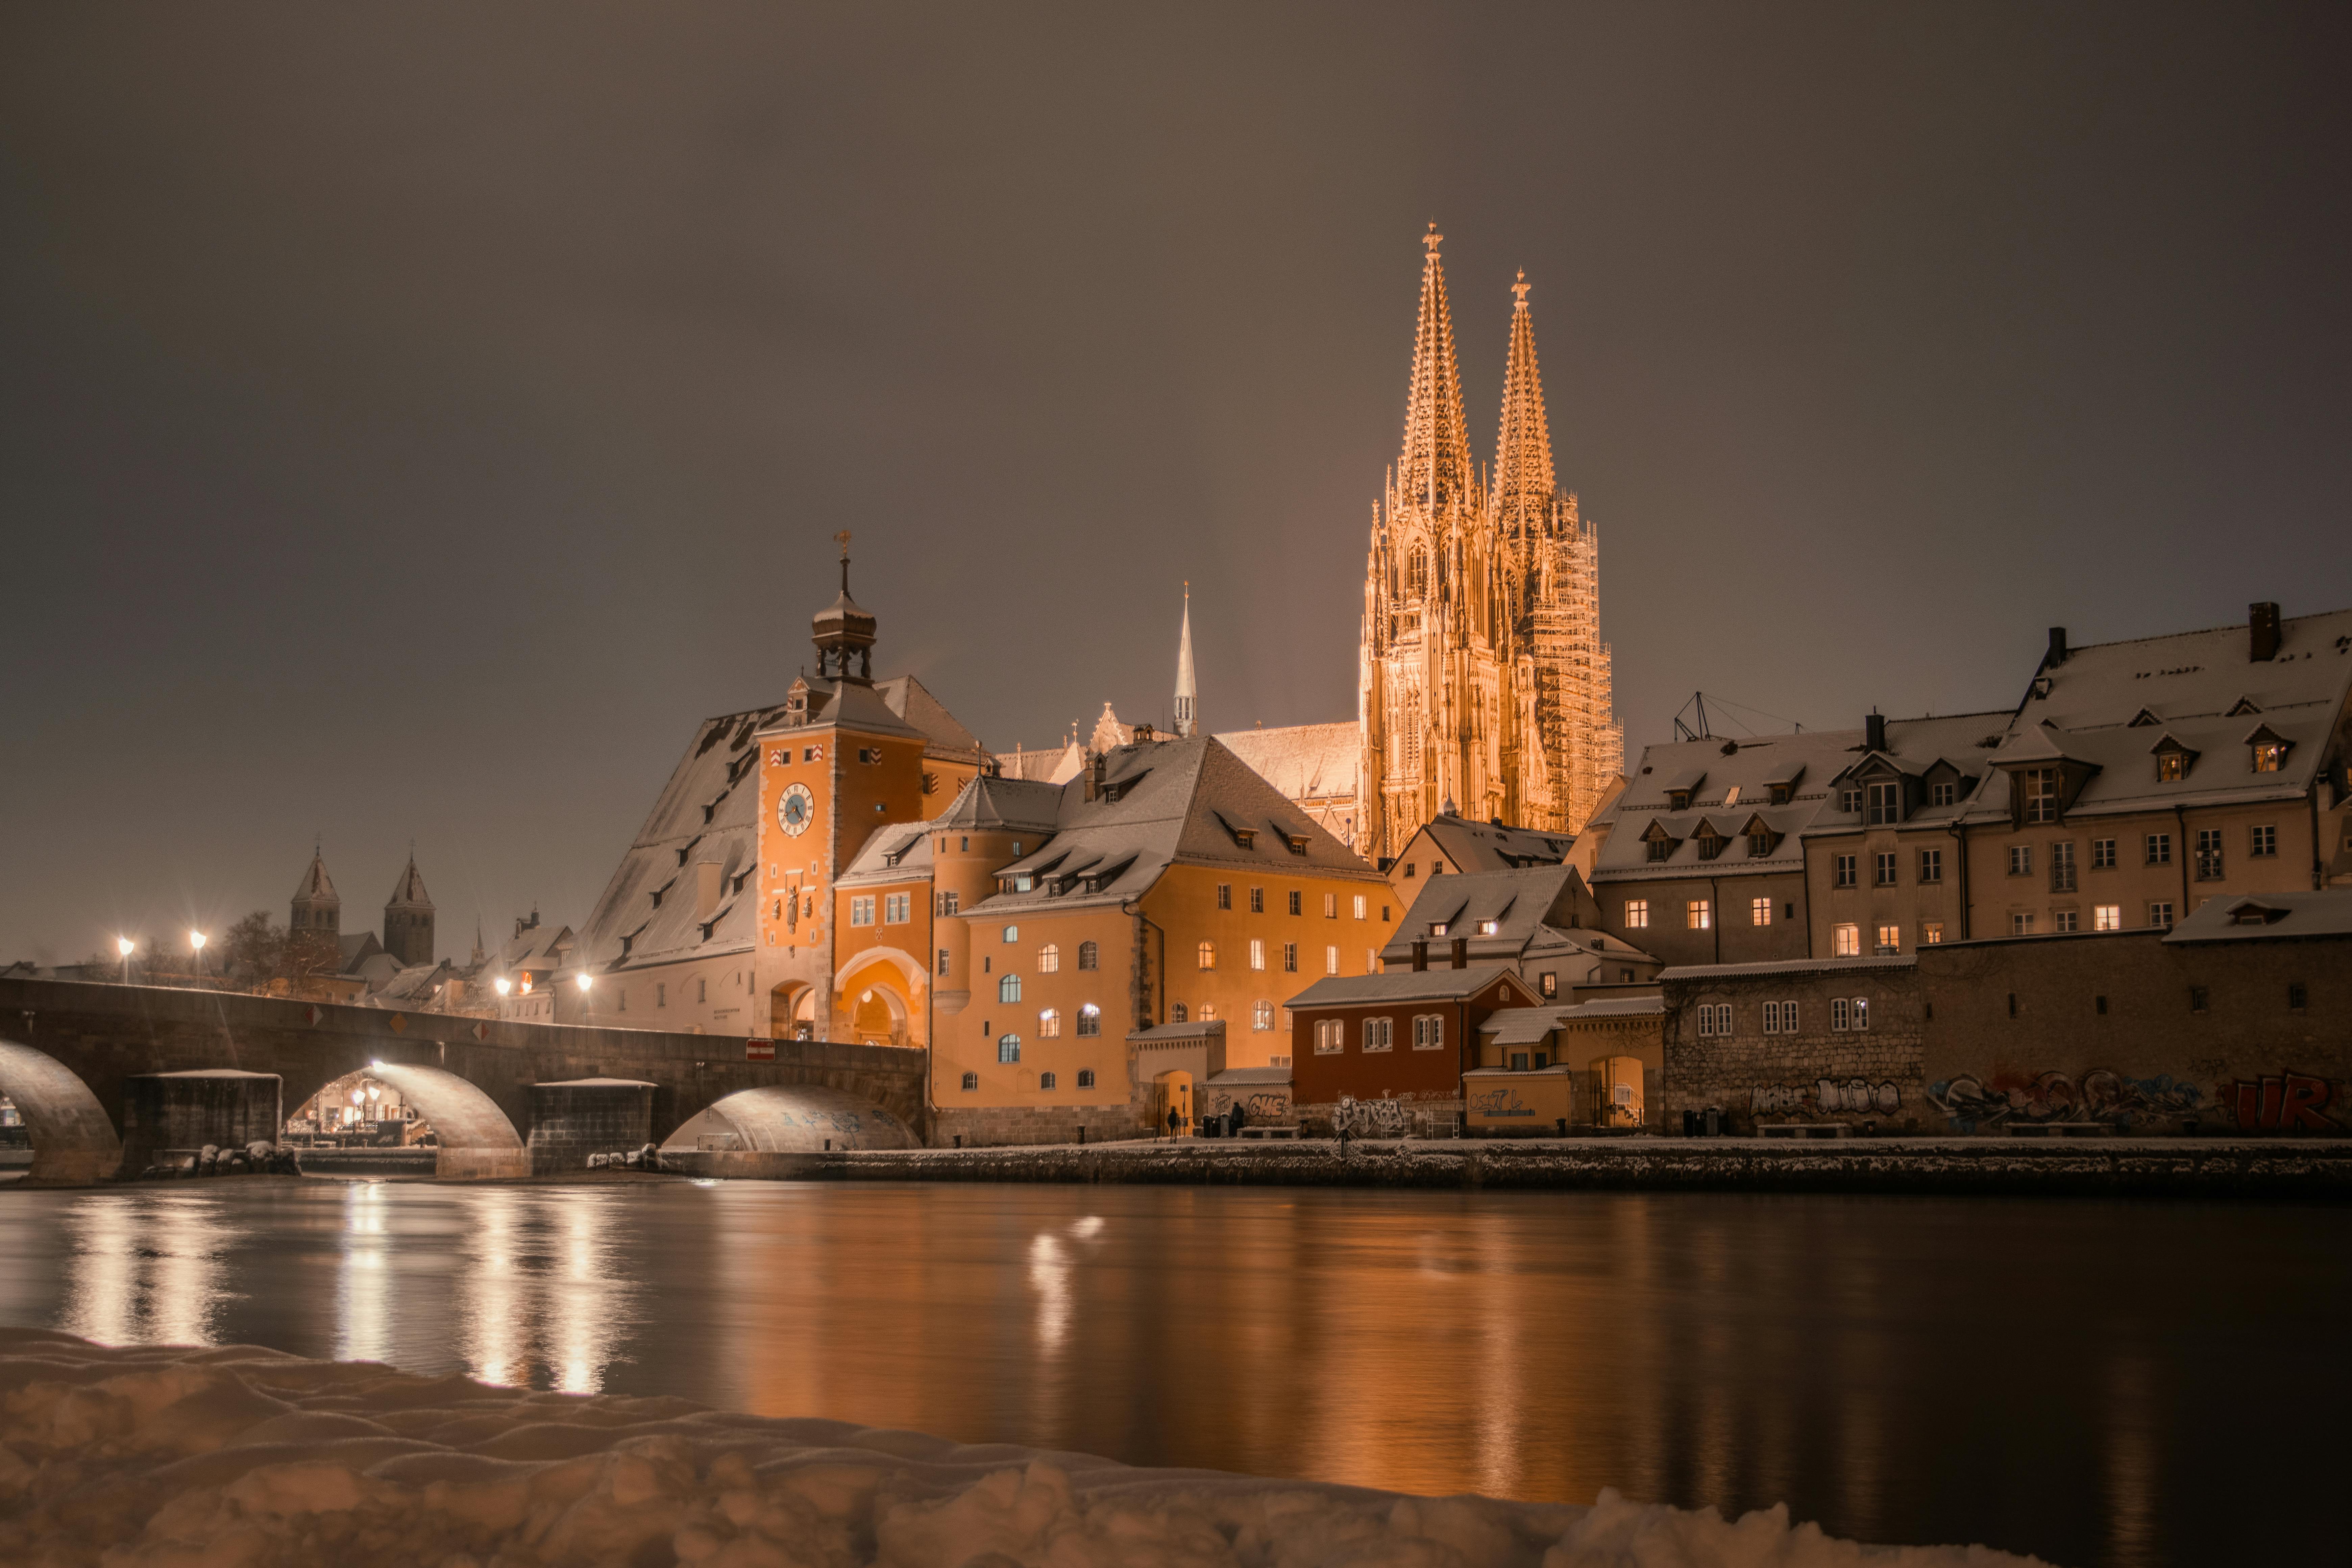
1524 482
1187 694
1436 469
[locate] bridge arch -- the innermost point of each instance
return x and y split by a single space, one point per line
754 1131
476 1140
74 1142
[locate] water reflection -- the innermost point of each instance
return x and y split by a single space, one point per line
146 1270
2038 1376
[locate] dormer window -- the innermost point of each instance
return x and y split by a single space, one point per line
1710 842
2173 760
1678 800
1731 796
1885 804
1661 843
2269 750
1298 842
2040 786
2142 719
1490 928
1943 792
1437 928
1781 793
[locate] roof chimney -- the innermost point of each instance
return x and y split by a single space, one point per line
2057 654
1420 956
1873 728
1461 953
2263 632
1094 776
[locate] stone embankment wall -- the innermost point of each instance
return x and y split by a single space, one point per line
2214 1168
1025 1126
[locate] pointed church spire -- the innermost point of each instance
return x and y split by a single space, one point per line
1187 693
1524 482
1436 469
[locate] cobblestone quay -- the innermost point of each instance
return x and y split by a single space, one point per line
2108 1167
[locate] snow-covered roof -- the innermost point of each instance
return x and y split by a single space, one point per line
1472 847
2276 917
1406 986
1303 761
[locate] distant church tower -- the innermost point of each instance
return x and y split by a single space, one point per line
1483 686
1187 719
408 919
316 906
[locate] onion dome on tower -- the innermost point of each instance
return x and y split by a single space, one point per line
843 628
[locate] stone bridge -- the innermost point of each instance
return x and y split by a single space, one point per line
80 1059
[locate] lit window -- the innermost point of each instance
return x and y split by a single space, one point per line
2107 917
1637 914
1008 988
1208 1012
1049 1024
1931 934
1378 1034
1089 955
1548 983
1372 960
1045 1080
2269 756
1261 1015
1890 939
1489 928
1208 955
1090 1021
1008 1047
1759 911
1698 915
1845 941
1331 906
1359 906
1330 1038
1257 953
1330 961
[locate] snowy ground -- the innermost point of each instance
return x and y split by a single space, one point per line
240 1457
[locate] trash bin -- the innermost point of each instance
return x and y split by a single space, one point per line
1714 1122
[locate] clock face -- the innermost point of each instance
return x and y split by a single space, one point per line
795 811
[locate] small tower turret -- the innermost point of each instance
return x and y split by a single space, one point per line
844 629
1187 694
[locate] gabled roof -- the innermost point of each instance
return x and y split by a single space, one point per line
1303 761
1409 985
943 734
2204 684
2267 916
1162 802
1751 767
1473 846
1537 912
899 852
993 804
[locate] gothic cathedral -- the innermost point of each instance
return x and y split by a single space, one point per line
1484 685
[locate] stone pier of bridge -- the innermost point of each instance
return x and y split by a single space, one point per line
81 1059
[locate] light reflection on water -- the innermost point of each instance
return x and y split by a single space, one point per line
2046 1377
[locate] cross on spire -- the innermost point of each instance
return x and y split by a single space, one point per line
1520 289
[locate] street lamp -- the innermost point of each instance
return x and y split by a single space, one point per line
504 984
196 946
124 944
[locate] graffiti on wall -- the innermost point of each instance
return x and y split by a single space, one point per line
1826 1096
2290 1103
1265 1105
1503 1101
2099 1096
1370 1118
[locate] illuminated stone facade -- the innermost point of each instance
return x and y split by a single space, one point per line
1484 686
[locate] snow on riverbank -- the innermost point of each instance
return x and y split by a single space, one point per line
244 1458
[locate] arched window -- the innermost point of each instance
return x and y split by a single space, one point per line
1176 1013
1208 1012
1049 1024
970 1081
1008 1047
1049 959
1045 1080
1417 573
1008 989
1012 934
1089 955
1089 1019
1085 1078
1208 955
1261 1016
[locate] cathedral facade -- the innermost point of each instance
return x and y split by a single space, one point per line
1483 683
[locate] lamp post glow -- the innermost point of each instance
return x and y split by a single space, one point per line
197 947
504 984
124 944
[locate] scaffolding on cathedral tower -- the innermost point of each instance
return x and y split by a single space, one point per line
1484 685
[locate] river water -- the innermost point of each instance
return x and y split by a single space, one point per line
2109 1383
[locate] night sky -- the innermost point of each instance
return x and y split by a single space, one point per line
409 426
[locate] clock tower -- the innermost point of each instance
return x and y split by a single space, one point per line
839 765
